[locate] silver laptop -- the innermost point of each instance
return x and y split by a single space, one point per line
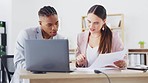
47 55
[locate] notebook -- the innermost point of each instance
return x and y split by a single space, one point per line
47 55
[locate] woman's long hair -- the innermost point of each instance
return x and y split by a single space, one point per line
106 34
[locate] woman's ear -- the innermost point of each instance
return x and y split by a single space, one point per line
104 21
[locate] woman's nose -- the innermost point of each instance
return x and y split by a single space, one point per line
91 25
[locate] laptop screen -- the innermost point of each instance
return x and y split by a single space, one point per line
47 55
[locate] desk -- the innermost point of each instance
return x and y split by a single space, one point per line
116 76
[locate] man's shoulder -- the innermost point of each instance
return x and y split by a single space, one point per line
31 29
28 31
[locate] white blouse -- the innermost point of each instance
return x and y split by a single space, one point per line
91 54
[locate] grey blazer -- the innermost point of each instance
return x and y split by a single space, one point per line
19 58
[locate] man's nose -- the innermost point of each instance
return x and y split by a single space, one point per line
53 27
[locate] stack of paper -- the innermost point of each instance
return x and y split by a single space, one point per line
107 59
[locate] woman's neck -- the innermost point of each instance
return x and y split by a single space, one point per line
95 35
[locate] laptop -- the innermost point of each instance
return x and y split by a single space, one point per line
47 55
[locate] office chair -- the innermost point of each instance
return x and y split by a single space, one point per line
6 63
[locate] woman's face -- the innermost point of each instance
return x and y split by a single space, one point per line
49 24
95 23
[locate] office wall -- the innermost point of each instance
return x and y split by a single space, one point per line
5 10
5 15
24 14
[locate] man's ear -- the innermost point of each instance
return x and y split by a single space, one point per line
40 23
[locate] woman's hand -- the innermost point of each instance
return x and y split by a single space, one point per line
121 64
81 60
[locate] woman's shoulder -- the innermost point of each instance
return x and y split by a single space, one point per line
116 38
117 43
83 33
115 33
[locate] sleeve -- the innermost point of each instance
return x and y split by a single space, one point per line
78 45
118 46
79 49
19 58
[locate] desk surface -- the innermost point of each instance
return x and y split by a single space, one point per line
83 74
124 76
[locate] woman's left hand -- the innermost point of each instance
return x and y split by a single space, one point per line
120 63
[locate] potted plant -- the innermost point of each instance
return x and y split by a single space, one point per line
1 24
141 43
1 51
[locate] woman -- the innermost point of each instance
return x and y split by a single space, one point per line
98 40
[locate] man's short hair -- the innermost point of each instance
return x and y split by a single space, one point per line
47 11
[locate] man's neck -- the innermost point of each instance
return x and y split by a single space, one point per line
46 36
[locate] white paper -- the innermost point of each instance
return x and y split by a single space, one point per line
107 59
92 70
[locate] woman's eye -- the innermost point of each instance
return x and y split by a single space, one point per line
96 23
88 21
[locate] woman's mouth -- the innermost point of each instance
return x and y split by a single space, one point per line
92 29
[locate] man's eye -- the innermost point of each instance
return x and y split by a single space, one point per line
49 25
56 23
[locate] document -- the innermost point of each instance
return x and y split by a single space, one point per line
107 59
88 70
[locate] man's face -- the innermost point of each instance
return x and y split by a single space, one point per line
49 24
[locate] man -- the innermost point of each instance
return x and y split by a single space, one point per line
48 20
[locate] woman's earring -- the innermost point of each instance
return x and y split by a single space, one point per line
103 29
